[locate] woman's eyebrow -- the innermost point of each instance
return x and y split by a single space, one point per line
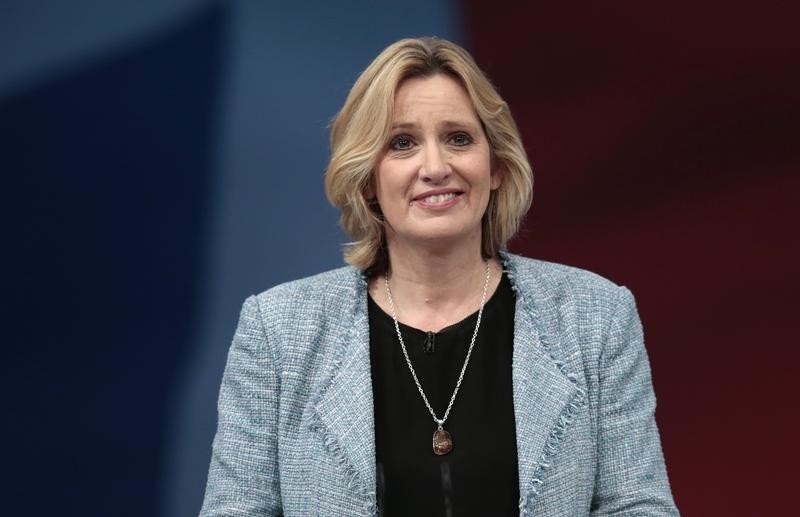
404 125
442 124
457 123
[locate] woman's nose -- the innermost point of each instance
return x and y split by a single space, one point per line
435 168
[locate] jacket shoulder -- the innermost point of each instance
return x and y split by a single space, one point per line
573 308
310 307
310 290
550 280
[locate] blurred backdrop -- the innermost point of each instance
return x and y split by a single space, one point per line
164 159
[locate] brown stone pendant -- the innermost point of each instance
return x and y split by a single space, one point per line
442 442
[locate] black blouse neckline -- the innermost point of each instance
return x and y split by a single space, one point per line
469 320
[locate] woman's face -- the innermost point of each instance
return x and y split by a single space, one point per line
434 178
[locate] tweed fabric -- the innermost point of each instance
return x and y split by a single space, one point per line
295 434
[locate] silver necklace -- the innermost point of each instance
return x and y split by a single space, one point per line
442 441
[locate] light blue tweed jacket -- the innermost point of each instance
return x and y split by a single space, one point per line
296 436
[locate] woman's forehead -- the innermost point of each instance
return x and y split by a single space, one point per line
439 99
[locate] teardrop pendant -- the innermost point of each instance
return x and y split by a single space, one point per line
442 442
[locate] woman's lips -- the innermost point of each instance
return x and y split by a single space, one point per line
437 200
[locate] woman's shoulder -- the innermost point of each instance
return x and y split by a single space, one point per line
549 280
565 299
312 292
574 311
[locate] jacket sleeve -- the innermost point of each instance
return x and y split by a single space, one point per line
631 476
243 476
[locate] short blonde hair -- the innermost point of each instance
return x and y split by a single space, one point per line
359 136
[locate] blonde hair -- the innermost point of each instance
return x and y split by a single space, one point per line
359 136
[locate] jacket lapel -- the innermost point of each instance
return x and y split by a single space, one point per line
343 411
545 394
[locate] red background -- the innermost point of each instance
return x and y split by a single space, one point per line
664 143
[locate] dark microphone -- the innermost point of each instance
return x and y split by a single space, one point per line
430 343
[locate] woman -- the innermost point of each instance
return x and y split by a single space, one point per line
438 374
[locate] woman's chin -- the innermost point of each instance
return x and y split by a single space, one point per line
433 238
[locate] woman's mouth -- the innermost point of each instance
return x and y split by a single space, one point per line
438 200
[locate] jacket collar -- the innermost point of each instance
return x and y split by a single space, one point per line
546 394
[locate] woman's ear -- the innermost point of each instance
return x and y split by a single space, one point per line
496 178
369 190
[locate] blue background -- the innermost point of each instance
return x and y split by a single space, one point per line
162 161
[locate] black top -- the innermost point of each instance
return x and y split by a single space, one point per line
479 476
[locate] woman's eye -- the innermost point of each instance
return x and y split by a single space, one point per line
401 143
461 139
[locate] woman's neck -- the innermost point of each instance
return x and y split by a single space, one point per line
434 288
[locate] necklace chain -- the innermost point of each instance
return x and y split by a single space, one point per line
439 421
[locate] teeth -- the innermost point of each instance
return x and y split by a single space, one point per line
441 198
